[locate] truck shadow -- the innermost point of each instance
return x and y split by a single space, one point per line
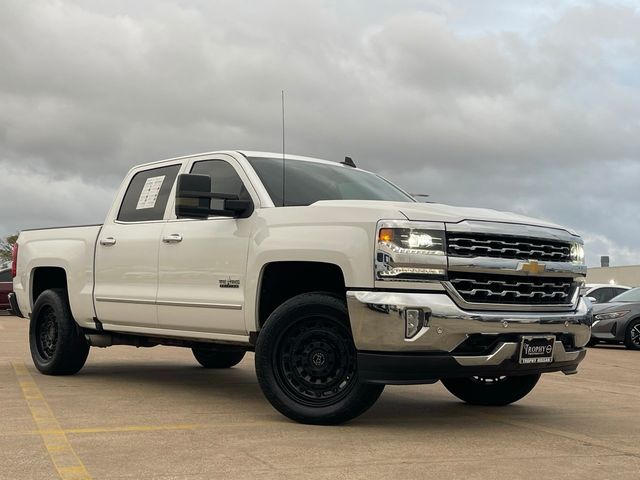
424 408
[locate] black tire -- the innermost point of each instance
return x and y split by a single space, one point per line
57 345
593 342
217 358
491 391
632 335
306 362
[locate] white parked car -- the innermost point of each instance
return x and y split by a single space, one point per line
340 281
602 292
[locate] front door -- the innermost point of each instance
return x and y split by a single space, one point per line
203 262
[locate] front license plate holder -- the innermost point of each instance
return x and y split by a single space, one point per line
536 349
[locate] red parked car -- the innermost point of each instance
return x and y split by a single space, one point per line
6 287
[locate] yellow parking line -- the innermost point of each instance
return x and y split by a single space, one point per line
132 428
64 458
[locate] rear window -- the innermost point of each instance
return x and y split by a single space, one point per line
147 195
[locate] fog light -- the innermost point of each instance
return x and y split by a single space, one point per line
413 322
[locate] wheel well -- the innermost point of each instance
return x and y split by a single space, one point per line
44 278
284 280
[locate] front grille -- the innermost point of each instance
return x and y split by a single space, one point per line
513 290
484 245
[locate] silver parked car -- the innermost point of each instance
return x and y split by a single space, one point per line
602 292
618 321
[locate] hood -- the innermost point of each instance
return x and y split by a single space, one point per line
436 212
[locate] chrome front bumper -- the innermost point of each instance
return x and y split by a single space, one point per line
378 327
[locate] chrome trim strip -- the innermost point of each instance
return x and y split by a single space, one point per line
125 300
508 307
513 229
222 306
508 266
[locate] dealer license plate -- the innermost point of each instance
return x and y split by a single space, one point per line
537 349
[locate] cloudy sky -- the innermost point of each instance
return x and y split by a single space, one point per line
534 109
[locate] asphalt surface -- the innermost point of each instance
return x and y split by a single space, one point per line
154 413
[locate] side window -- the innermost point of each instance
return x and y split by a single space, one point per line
5 276
147 195
618 291
600 294
224 178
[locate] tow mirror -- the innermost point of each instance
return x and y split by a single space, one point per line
195 200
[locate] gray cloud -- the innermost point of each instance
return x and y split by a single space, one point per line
529 109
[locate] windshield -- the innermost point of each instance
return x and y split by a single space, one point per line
309 182
632 295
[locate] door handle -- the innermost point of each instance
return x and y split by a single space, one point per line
107 241
172 238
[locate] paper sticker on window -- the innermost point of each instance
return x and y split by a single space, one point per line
150 192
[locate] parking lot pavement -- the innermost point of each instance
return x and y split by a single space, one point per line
154 413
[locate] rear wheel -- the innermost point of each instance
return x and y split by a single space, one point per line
491 391
212 358
632 336
57 345
306 362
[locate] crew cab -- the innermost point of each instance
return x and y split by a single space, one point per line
340 282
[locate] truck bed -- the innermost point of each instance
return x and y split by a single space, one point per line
43 252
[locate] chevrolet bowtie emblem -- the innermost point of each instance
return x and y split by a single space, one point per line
532 267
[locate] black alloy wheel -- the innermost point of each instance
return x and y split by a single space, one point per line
47 333
315 361
493 390
58 345
306 362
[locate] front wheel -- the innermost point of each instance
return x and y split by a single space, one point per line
632 335
306 362
58 347
491 391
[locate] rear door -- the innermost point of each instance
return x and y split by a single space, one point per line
126 278
203 262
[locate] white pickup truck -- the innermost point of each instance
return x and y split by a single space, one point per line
338 280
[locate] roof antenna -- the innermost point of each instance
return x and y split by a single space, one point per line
348 161
283 157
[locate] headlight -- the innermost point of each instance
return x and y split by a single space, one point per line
612 315
577 253
410 251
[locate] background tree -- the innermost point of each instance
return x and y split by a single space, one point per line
5 247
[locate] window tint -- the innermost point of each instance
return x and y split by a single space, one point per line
600 294
148 193
5 276
309 182
632 295
224 178
618 291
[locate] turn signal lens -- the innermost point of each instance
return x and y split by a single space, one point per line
385 235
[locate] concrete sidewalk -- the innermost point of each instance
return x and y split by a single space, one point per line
154 413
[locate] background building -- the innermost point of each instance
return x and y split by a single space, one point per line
627 275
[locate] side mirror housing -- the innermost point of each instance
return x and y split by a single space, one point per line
195 200
592 299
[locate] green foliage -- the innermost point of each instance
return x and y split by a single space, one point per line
5 247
